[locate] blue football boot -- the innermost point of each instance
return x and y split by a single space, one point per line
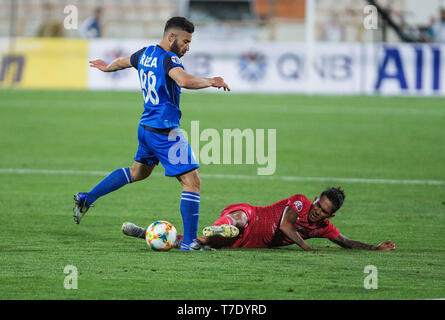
195 245
80 206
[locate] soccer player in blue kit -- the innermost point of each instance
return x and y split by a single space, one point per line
161 76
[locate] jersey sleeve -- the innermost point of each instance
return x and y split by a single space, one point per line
134 58
299 203
330 231
171 61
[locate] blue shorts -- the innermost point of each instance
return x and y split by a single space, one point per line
171 149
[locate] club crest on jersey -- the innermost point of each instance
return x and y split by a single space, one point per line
298 205
176 60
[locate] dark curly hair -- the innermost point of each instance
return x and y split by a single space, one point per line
179 23
336 195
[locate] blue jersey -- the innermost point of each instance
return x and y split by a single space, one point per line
160 92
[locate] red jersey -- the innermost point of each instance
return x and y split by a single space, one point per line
263 228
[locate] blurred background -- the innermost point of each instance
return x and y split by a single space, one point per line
275 20
351 90
351 46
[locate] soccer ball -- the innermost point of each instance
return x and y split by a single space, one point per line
161 235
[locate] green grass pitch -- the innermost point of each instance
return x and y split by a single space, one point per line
317 136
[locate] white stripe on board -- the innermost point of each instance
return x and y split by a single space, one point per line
233 177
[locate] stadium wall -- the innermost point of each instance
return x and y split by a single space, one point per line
44 63
337 68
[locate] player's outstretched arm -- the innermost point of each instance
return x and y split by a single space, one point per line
346 243
287 227
115 65
188 81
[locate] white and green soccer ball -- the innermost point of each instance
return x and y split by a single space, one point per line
161 235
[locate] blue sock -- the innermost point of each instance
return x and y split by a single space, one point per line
190 215
118 178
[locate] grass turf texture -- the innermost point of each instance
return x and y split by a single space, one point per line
348 137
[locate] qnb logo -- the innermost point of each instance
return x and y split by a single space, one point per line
253 66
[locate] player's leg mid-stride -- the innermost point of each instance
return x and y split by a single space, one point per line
115 180
161 76
189 205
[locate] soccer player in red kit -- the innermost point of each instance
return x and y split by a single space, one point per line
291 220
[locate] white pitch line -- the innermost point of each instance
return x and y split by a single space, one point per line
233 177
54 172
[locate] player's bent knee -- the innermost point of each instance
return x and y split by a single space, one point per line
191 181
194 186
139 173
138 177
197 184
240 218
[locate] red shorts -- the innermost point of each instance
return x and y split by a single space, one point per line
250 236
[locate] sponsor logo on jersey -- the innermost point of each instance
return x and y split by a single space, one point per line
176 60
298 205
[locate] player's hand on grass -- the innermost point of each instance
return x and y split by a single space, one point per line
99 64
386 246
218 82
308 248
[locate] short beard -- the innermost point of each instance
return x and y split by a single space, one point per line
175 48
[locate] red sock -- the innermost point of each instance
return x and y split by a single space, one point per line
223 220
